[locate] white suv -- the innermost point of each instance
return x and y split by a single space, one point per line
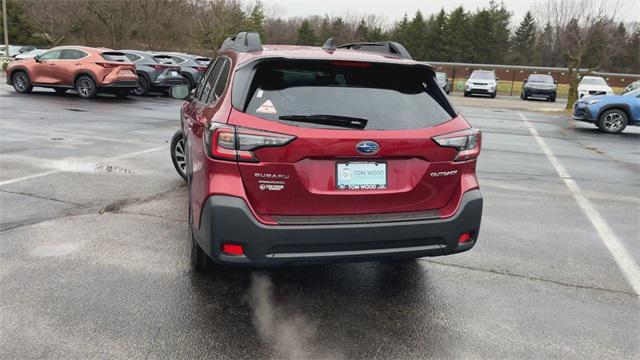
481 82
593 85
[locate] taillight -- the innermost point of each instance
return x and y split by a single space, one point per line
107 65
467 142
200 68
228 142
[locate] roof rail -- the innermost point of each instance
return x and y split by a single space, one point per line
385 47
244 41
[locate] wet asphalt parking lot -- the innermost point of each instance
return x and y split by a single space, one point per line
94 258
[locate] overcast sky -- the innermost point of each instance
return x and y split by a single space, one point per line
392 10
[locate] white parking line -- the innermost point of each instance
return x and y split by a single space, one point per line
45 173
625 261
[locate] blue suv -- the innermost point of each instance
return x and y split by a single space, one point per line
611 113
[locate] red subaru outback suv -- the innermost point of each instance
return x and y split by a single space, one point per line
311 155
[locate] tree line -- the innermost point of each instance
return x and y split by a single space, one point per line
485 35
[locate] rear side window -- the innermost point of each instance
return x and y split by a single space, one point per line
133 57
389 97
222 79
114 56
209 82
70 54
51 55
178 60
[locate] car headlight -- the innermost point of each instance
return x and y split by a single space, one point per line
591 102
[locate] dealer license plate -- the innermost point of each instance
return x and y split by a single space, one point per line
361 175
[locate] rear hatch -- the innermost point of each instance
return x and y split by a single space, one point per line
119 62
341 138
167 68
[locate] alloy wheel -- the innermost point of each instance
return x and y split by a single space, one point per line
85 87
180 156
613 121
20 81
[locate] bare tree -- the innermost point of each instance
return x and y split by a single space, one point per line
55 21
585 30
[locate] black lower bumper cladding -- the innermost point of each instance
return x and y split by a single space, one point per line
228 220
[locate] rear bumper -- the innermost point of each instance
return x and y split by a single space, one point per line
168 83
227 219
119 84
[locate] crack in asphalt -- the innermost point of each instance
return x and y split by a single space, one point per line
40 197
113 207
533 278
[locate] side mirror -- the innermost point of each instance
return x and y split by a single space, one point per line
181 92
497 78
555 82
525 81
37 58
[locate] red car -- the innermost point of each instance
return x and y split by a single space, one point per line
87 70
312 155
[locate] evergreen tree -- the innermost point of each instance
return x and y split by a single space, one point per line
362 31
325 30
22 30
417 32
456 36
306 35
434 44
524 41
255 19
500 33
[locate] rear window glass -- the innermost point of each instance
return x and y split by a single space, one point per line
389 97
164 59
114 56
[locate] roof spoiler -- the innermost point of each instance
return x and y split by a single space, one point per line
245 41
385 47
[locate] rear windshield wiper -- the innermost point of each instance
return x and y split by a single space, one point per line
334 120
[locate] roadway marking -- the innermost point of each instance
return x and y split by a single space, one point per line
622 257
45 173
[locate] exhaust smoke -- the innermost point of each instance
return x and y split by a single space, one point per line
290 334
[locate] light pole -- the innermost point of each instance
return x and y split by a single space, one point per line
6 27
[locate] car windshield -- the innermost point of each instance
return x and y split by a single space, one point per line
388 97
541 79
593 81
441 76
483 75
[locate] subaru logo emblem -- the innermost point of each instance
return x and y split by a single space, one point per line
368 147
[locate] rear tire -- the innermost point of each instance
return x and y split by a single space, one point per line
21 82
143 86
178 154
86 87
552 98
612 121
493 95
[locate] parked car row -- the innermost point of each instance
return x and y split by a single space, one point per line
100 70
